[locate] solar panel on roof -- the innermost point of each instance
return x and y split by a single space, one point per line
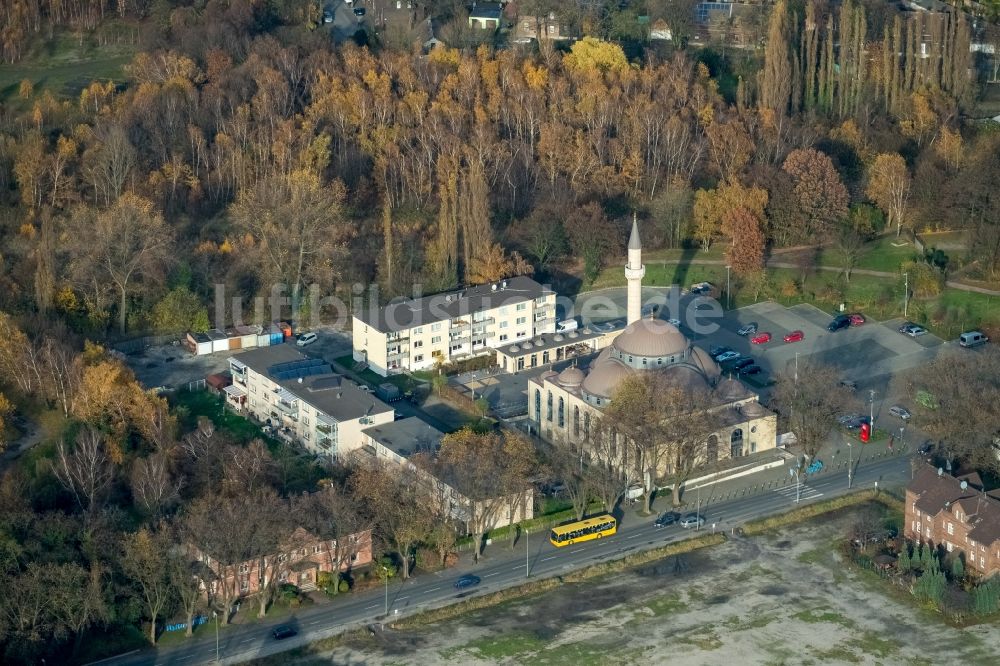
301 368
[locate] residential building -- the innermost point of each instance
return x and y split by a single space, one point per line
419 333
299 562
562 406
956 515
485 15
303 399
394 443
549 27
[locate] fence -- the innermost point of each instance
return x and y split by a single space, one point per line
196 385
138 344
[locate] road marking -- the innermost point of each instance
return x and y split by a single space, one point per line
517 568
550 557
578 550
495 573
186 657
246 640
633 536
372 606
402 599
314 622
433 589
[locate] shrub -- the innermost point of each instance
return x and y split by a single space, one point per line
344 586
957 568
986 597
931 586
903 563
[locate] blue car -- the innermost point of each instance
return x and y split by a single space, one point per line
467 581
816 466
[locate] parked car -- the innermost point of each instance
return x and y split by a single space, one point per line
467 580
856 423
849 384
717 350
750 370
814 467
795 336
649 310
972 339
760 339
915 331
749 329
839 322
900 412
926 450
283 632
359 11
743 362
847 418
666 519
365 388
692 520
856 319
327 15
304 339
675 322
727 356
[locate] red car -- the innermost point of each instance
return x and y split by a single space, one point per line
857 320
760 339
794 336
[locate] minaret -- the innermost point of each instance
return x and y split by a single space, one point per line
634 270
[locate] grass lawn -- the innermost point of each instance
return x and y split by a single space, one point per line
368 376
64 66
882 255
193 404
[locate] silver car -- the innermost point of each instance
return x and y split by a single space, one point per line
900 412
692 520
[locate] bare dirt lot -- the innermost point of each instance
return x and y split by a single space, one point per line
779 599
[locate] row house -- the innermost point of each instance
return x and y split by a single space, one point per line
954 513
300 562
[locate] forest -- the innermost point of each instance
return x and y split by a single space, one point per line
240 146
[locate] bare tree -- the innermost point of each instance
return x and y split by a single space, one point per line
333 517
812 399
566 463
144 561
153 486
86 472
248 468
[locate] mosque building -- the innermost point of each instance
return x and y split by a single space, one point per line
562 406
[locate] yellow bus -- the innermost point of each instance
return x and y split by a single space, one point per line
583 530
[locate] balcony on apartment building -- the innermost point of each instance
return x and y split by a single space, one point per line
398 336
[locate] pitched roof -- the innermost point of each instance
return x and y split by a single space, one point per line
633 240
940 492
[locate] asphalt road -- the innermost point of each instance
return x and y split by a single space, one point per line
500 568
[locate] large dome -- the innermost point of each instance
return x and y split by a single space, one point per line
604 377
650 337
705 363
732 390
685 377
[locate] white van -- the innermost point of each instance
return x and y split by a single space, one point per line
972 339
567 325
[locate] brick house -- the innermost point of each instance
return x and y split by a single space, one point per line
299 563
955 514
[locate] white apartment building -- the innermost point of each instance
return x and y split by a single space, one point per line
303 399
415 334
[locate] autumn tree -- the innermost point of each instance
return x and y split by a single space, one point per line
821 195
85 470
489 472
123 248
295 230
330 514
566 465
144 561
776 75
180 311
396 501
889 187
746 249
6 409
712 206
154 488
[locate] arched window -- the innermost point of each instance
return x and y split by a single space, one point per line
586 424
538 404
548 401
713 449
576 420
736 443
562 413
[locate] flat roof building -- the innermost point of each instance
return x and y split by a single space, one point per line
419 333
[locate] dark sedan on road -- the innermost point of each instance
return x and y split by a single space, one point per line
666 519
283 632
467 581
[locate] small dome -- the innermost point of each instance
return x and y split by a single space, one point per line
753 410
651 338
571 376
558 338
573 334
685 377
527 344
514 349
732 390
605 376
701 360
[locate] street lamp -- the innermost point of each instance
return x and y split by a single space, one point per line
850 464
527 569
906 292
215 614
794 471
385 574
